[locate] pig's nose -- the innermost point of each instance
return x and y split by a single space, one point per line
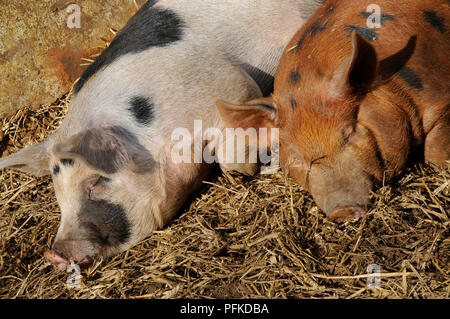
60 262
343 214
62 251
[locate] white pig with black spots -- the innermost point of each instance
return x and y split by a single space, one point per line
114 178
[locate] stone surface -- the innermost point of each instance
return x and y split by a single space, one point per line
40 55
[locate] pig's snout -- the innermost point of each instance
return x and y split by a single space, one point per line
62 251
341 189
346 213
59 262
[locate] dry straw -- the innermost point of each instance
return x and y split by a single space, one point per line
260 237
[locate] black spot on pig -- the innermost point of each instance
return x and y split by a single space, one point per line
293 103
384 17
105 223
436 21
313 30
294 77
263 79
317 28
149 27
111 160
411 78
142 109
368 33
109 149
67 161
56 169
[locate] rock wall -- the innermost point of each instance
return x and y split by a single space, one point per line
42 43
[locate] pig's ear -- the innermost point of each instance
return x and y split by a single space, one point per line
361 71
257 113
358 71
107 149
33 159
391 65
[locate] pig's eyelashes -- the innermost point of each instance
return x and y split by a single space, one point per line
97 186
317 160
313 162
103 179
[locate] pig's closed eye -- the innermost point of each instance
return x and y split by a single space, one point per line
317 160
103 179
97 186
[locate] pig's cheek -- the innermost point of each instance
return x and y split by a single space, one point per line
299 176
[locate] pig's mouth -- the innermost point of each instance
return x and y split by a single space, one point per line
342 214
61 263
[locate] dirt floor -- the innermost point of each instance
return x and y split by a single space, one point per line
260 237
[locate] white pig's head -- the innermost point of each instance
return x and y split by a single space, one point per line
111 191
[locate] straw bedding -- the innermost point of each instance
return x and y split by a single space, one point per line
260 237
